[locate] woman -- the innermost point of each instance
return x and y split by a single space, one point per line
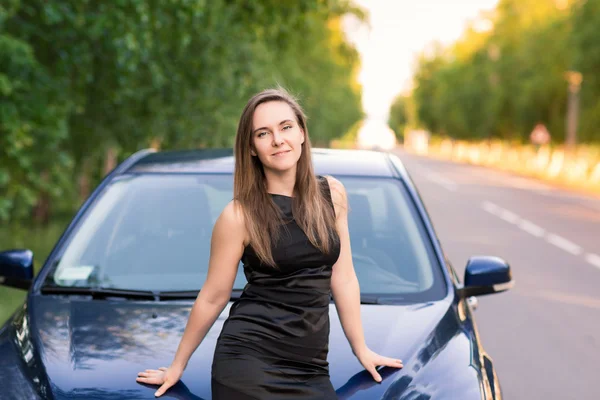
290 229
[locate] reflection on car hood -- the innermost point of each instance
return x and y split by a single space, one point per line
78 348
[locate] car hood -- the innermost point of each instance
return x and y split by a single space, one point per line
79 348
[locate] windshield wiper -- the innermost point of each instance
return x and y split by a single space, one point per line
236 294
103 293
382 299
192 294
369 299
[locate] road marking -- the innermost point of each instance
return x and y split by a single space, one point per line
490 207
564 244
442 181
593 259
498 211
537 231
509 216
531 228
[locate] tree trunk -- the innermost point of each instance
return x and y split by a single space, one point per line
110 160
155 143
83 181
41 211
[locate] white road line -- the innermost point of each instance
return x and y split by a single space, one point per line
509 216
564 244
498 211
593 259
442 181
490 207
538 231
531 228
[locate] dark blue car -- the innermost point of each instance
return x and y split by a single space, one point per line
114 295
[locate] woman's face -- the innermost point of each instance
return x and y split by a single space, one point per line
276 136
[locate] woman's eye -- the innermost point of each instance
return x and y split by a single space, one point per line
261 134
287 127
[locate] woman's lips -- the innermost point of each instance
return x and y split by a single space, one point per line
281 153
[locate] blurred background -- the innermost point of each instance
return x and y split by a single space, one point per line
452 87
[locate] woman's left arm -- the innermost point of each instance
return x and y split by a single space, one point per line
346 291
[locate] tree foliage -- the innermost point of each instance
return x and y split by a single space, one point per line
80 78
501 82
400 115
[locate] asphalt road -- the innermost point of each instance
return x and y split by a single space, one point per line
544 334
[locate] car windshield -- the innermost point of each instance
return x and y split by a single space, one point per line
152 232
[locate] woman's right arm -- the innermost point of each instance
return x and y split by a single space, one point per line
228 240
226 248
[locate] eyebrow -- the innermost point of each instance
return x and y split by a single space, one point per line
264 127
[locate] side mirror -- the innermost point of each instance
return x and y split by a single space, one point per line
16 268
486 275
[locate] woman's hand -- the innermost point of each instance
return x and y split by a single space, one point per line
371 360
166 377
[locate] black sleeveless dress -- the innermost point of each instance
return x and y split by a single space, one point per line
274 343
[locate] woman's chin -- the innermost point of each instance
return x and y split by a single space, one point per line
282 166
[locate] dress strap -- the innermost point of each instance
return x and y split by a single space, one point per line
326 190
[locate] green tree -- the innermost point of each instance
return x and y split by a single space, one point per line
399 115
82 80
502 82
586 60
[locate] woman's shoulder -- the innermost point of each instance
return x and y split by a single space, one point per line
233 214
232 221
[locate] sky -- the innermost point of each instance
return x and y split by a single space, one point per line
397 31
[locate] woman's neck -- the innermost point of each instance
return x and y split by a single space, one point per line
281 182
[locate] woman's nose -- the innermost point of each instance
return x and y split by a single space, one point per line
277 139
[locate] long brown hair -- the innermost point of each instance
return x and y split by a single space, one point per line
310 206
